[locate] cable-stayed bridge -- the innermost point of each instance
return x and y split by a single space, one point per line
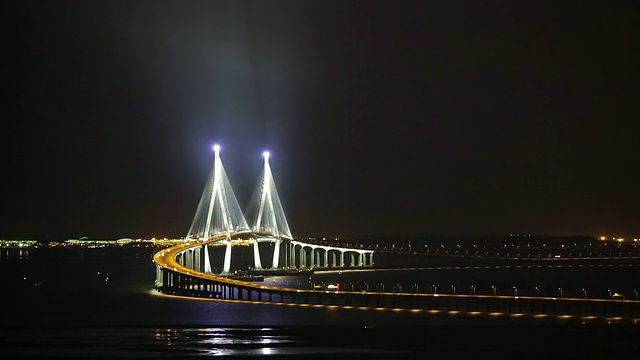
186 269
219 222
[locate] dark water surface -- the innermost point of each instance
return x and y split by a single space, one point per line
100 303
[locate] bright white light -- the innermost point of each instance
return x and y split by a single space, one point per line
266 154
216 147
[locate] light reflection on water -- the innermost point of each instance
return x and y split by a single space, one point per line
219 341
174 341
222 336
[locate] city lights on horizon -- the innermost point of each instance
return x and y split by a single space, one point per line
618 239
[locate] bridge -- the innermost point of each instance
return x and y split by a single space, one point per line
186 270
219 222
174 278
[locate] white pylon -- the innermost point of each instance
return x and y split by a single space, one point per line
266 213
265 210
218 212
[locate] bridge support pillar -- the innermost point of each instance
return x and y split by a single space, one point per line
313 257
207 261
197 259
292 256
276 255
256 256
227 258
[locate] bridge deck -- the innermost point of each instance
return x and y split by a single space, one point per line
175 279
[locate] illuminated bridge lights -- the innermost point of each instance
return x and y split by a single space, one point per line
218 222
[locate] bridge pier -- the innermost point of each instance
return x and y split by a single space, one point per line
292 256
256 256
207 260
227 258
276 255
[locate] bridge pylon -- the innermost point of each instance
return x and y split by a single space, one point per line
218 212
266 215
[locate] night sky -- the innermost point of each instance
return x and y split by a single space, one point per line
383 118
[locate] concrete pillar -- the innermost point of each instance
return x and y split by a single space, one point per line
227 259
197 258
256 256
292 260
158 275
207 261
194 254
276 255
287 255
341 258
326 258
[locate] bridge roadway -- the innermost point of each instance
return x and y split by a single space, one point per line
174 279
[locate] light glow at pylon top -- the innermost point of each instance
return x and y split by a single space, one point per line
216 147
265 212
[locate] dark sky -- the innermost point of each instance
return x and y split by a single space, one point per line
383 118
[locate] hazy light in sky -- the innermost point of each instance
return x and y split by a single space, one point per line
494 109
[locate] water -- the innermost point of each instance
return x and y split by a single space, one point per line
573 280
100 303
